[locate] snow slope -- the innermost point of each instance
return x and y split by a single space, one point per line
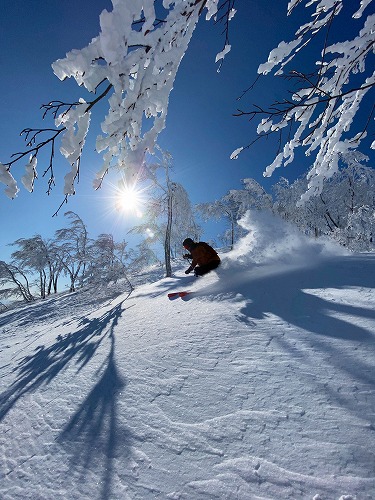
258 385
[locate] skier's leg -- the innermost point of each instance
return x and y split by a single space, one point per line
198 271
206 268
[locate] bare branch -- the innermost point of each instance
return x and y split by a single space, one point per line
64 202
225 18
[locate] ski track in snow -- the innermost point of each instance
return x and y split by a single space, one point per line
256 386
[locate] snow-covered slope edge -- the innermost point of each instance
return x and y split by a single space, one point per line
260 384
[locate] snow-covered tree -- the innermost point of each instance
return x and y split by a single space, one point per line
14 282
359 233
349 195
285 198
142 257
169 216
183 222
133 62
71 244
255 196
106 262
354 185
320 114
227 208
233 205
39 256
310 218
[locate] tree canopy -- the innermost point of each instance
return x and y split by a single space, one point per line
133 63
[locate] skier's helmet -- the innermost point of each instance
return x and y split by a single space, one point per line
187 243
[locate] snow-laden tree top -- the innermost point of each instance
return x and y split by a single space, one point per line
138 56
320 114
134 60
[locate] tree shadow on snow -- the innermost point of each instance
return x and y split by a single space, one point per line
344 333
57 306
290 296
92 436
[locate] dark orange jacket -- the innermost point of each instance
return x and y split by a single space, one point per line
202 254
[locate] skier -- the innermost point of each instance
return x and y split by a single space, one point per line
205 258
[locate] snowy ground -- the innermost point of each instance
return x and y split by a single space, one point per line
260 384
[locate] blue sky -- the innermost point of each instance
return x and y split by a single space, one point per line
201 132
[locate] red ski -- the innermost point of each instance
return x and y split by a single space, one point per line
174 295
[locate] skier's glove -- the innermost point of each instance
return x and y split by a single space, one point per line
187 256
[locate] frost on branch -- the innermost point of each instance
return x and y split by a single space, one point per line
139 57
320 115
211 6
30 174
133 62
6 178
223 53
235 153
76 122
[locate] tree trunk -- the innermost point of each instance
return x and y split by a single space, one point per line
167 242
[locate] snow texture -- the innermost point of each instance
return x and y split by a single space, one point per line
7 178
258 385
236 152
30 174
77 122
223 53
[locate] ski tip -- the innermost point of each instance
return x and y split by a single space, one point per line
174 295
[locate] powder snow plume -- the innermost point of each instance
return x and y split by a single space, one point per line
272 240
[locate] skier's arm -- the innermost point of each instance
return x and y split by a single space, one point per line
192 266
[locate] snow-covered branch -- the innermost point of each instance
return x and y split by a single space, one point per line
136 56
320 116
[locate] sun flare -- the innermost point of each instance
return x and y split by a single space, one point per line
130 200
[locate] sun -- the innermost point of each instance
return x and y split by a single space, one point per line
129 200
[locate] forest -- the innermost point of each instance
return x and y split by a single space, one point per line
343 212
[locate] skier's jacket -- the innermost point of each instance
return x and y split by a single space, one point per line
202 254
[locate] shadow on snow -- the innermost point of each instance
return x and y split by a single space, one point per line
285 296
92 436
325 323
